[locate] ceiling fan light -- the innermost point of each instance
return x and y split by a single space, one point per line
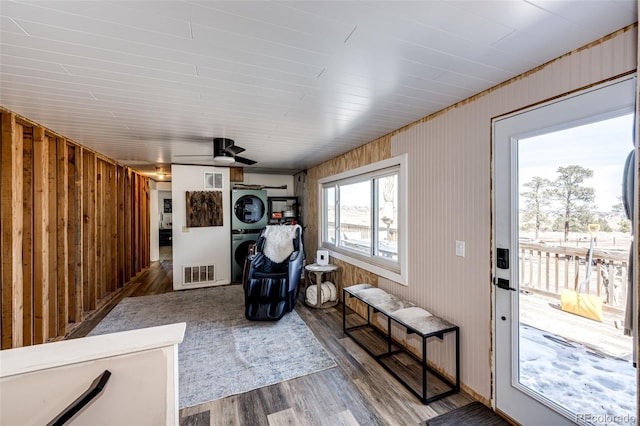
223 159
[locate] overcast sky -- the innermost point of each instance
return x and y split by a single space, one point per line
602 147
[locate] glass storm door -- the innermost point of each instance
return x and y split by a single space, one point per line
547 247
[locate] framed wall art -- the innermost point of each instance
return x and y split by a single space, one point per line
204 208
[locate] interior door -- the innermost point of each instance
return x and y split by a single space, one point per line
512 396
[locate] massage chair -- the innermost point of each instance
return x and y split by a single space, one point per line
271 288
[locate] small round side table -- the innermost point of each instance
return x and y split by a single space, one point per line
319 271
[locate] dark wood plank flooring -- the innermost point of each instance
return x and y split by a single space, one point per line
358 391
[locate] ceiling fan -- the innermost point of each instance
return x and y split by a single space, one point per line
225 151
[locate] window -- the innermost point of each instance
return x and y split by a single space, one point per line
354 218
362 217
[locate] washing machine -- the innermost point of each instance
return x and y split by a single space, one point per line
240 242
249 209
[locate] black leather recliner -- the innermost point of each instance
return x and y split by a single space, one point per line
271 289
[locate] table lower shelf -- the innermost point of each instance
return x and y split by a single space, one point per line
324 305
413 371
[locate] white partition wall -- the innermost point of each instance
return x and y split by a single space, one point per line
207 247
38 382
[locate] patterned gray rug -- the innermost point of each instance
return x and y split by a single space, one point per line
223 353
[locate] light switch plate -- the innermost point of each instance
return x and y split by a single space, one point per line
460 248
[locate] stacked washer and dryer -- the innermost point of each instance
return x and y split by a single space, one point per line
248 218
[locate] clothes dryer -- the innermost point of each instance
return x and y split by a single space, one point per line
240 242
249 209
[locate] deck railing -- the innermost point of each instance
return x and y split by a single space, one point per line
551 269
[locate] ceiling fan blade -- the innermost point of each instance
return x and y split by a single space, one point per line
221 144
244 160
234 149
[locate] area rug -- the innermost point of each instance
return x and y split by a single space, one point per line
223 353
474 414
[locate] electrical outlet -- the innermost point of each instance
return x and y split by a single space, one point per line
460 248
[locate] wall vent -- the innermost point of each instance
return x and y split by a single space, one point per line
212 180
198 274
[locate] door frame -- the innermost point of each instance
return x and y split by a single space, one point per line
505 234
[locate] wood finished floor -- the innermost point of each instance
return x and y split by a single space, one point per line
358 391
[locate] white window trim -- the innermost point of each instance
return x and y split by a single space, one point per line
403 276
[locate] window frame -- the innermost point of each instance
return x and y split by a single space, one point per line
396 271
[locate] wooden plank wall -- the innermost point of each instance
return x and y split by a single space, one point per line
74 230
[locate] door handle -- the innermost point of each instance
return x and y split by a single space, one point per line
504 284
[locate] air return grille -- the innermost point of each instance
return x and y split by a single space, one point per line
198 274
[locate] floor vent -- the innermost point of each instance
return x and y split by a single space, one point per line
198 274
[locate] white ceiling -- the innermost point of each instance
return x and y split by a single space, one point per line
295 83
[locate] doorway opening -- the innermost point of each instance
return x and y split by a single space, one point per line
165 225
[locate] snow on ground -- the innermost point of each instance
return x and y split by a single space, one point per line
598 388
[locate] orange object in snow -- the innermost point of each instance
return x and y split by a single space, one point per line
579 303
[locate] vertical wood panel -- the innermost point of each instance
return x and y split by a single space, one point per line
11 218
52 211
92 259
128 211
113 226
146 223
143 223
40 235
72 270
107 220
140 223
100 225
27 234
62 207
135 243
88 231
121 227
76 230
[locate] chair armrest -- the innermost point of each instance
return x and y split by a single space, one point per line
296 261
